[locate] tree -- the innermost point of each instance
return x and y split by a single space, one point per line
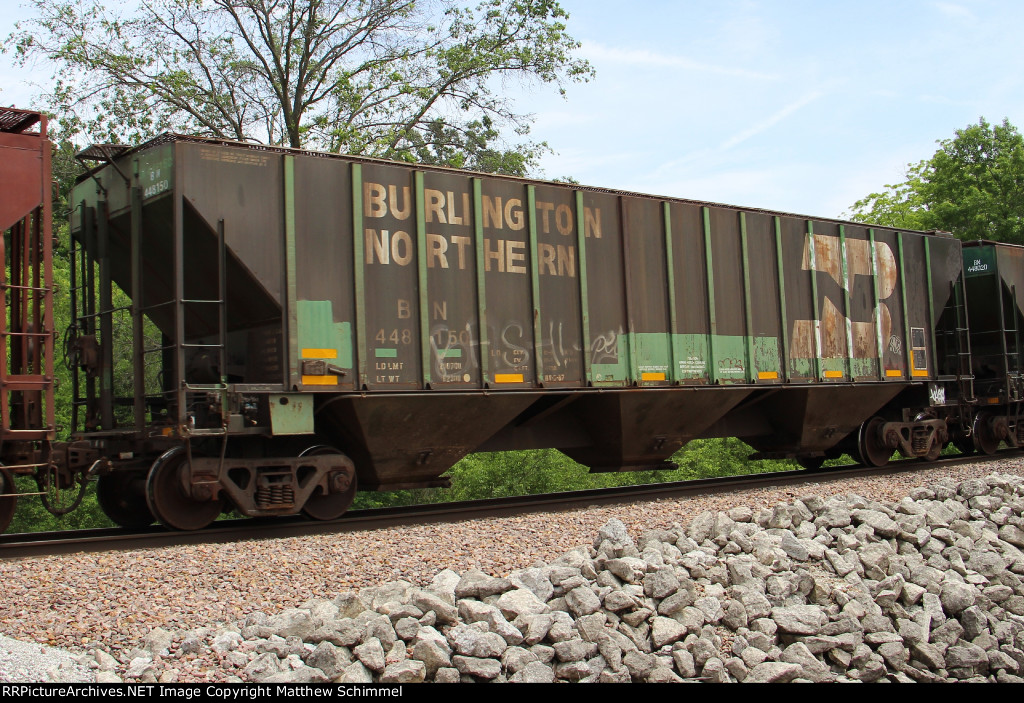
416 80
973 186
901 205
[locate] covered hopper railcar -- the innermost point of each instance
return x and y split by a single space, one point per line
299 324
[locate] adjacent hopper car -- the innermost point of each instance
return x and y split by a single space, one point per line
267 329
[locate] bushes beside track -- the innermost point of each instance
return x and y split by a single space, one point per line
493 475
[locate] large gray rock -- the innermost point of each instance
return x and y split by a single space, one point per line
986 563
476 667
471 642
799 619
291 623
356 673
534 672
378 627
427 601
432 655
684 662
592 627
371 654
967 656
520 602
477 584
575 650
348 604
262 667
661 584
639 664
408 671
475 611
673 603
329 659
666 631
614 532
535 580
447 675
582 601
735 615
957 597
629 569
701 526
516 658
774 672
301 674
663 674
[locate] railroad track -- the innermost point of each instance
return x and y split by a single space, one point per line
22 545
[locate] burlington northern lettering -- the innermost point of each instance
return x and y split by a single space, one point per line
396 246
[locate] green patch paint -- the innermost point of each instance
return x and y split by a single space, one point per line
291 414
729 363
386 353
653 353
318 330
801 368
830 367
766 356
861 368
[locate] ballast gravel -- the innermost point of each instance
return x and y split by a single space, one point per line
860 579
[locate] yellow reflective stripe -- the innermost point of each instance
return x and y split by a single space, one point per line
652 377
319 380
508 378
319 353
764 375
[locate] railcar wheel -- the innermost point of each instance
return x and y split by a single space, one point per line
7 502
122 497
985 440
332 505
167 499
871 447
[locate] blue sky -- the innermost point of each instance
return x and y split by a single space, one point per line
782 104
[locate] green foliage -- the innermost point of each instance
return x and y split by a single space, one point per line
31 516
397 79
973 186
503 474
478 476
901 205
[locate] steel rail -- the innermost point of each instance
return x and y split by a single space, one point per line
24 545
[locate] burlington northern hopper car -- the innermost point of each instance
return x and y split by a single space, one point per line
298 324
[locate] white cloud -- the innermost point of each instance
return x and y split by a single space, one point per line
772 120
555 119
642 57
955 12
